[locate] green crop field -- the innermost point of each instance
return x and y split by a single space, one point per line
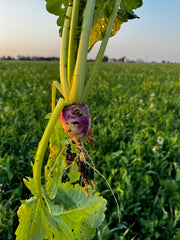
136 125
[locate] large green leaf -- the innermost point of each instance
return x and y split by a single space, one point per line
71 215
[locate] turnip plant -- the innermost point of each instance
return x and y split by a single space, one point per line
60 208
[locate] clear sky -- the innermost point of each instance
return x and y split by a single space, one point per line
26 28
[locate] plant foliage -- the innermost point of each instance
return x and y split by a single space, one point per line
66 212
73 216
68 216
102 13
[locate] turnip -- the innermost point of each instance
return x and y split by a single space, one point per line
82 23
76 120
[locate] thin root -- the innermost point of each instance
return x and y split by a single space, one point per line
94 180
117 204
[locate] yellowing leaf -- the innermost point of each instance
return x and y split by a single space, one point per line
98 31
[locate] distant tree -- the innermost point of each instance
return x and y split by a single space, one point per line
105 59
9 58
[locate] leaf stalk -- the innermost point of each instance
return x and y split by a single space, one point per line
81 61
64 54
101 51
72 41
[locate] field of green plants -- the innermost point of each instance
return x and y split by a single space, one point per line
136 125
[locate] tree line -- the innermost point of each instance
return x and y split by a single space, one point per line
29 58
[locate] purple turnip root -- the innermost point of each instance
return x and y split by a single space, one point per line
76 120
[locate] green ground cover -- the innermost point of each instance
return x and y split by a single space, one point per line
136 124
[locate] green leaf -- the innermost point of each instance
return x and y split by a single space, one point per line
76 218
74 175
59 8
31 216
56 161
131 4
53 173
48 116
83 214
35 222
30 184
62 198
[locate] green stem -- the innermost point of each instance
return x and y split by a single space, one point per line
100 54
55 85
81 61
64 53
43 145
72 41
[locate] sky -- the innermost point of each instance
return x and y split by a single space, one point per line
26 28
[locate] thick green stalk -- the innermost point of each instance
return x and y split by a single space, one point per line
72 41
64 54
102 49
43 145
81 61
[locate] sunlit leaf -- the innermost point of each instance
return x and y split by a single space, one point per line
56 162
74 175
71 215
102 14
30 184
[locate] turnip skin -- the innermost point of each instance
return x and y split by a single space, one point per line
76 120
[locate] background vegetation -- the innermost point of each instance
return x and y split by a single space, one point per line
136 124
